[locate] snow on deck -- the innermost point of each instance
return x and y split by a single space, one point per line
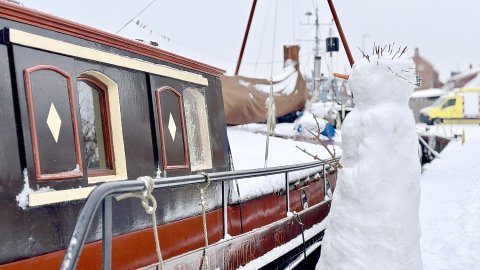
248 152
450 205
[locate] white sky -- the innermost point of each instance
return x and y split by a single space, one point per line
211 31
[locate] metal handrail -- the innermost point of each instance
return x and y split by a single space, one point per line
103 193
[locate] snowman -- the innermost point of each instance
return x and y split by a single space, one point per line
374 218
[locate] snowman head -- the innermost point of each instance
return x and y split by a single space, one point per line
385 76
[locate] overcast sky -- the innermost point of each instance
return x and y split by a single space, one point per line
211 31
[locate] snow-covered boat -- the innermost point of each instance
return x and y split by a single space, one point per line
85 113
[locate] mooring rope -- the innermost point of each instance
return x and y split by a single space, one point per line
204 216
146 196
270 102
299 221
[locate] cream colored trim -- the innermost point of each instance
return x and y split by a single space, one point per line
117 131
37 199
52 45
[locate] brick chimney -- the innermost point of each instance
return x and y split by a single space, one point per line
291 53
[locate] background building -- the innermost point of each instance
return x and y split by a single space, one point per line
427 72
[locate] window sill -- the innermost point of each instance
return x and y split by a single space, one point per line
51 197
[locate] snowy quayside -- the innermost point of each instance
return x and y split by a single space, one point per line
450 205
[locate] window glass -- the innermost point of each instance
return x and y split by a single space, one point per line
94 122
198 134
450 102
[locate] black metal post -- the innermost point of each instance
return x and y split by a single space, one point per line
224 208
287 193
107 233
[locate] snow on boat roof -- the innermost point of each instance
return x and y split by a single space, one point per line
248 152
283 83
432 92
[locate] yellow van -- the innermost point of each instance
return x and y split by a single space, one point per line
462 105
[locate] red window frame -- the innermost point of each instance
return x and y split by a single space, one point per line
105 115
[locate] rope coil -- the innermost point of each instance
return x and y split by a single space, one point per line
146 197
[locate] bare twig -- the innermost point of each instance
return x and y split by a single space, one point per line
402 77
364 55
384 47
323 144
404 51
317 137
399 48
308 153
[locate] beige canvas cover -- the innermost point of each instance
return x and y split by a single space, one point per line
244 100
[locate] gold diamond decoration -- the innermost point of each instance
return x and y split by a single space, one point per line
172 127
54 122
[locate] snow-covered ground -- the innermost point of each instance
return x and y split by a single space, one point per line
450 205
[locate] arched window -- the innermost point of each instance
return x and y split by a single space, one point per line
53 125
95 122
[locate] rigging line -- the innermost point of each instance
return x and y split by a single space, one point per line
146 28
314 4
270 102
293 20
305 64
274 37
262 40
308 29
138 14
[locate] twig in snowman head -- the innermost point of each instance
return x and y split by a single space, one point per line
398 75
364 55
384 48
404 51
399 49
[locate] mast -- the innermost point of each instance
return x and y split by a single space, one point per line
340 31
252 11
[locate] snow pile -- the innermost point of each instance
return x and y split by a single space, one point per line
22 197
374 220
248 153
327 110
450 205
307 122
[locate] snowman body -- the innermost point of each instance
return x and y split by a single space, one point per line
374 219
